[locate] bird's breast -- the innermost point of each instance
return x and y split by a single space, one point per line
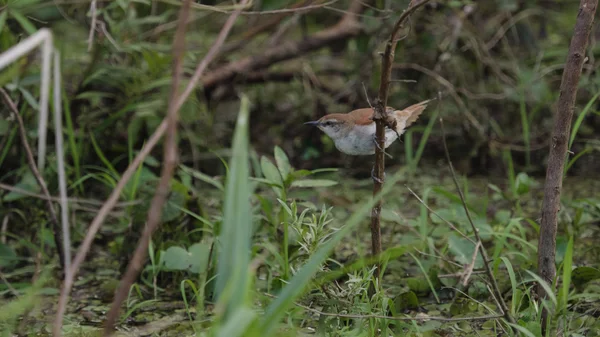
360 140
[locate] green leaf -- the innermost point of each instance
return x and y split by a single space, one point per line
283 163
270 171
523 183
27 183
23 21
175 258
582 275
407 300
314 183
463 250
231 285
418 285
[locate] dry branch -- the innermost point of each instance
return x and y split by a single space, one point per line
170 157
559 143
381 120
346 28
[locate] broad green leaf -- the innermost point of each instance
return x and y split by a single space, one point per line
175 258
283 163
407 300
236 232
27 183
583 275
463 250
194 259
270 171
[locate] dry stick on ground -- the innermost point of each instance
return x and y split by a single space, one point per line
57 231
131 169
170 157
496 290
558 147
381 121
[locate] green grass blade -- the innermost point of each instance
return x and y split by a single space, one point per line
566 281
513 282
235 237
101 155
580 119
424 138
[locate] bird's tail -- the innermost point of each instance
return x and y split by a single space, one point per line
412 113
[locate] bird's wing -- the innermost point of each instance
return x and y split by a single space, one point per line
412 113
362 116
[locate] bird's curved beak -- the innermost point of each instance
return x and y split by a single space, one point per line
312 123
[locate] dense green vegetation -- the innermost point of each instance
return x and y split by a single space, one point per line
265 229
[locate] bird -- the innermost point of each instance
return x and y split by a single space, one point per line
353 133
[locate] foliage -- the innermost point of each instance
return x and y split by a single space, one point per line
257 238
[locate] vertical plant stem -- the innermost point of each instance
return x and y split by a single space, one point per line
559 144
381 121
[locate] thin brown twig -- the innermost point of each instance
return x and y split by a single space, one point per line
496 289
57 231
382 119
131 169
57 199
170 157
347 27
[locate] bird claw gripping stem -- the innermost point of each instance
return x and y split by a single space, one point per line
379 147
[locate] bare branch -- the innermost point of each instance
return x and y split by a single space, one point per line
346 28
559 144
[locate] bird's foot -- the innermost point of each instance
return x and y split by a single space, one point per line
379 147
375 178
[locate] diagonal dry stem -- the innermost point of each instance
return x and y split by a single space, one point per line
131 169
496 290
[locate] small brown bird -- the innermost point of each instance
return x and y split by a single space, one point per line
354 133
